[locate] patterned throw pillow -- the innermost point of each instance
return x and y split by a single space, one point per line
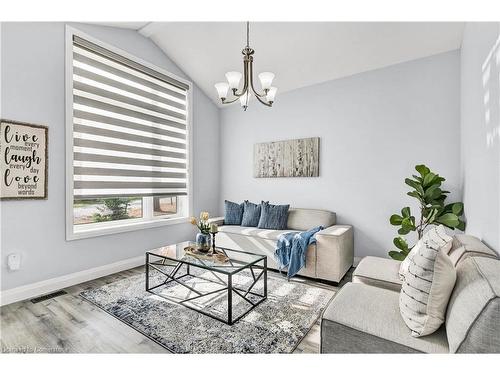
273 216
440 236
427 284
251 214
233 212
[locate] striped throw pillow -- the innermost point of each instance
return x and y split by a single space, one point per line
428 283
440 237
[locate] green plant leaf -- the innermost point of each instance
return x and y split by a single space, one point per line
431 179
414 194
422 169
406 212
450 220
457 208
403 231
461 225
432 215
428 212
418 178
407 225
441 199
432 193
396 255
447 208
401 243
395 219
414 184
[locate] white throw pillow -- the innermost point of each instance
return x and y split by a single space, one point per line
403 268
428 283
439 236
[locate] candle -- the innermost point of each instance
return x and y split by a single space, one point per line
214 228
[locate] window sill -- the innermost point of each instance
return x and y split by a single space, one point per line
123 227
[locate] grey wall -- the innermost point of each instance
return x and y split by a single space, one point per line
374 128
480 130
32 84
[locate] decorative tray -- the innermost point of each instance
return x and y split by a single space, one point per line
219 256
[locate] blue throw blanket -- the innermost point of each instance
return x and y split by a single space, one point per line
291 249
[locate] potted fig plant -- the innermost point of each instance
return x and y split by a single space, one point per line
426 188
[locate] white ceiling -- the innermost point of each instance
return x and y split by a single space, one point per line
299 53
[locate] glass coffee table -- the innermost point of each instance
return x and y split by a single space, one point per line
197 278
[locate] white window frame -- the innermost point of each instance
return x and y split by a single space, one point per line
74 232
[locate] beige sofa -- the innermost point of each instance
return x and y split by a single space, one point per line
329 259
364 316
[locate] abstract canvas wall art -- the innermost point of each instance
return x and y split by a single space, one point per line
292 158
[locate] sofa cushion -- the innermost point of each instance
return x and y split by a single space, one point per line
337 338
269 234
304 219
375 311
464 246
251 214
273 216
473 316
379 272
427 285
233 213
262 241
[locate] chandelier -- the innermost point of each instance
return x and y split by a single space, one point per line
233 82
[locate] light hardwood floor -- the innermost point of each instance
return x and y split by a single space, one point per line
69 324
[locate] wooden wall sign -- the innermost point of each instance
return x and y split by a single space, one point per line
23 164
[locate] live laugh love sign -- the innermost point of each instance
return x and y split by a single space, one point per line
23 166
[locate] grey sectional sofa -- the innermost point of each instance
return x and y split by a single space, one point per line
364 316
329 259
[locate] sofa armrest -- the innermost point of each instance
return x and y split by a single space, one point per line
216 220
334 252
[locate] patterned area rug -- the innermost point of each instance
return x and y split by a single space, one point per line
277 325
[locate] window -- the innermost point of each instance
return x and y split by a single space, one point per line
164 206
128 141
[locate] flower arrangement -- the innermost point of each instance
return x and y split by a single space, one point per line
202 224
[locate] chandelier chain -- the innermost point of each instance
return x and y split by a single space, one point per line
248 33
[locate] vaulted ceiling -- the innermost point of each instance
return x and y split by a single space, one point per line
299 53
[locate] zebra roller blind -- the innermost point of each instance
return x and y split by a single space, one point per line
129 127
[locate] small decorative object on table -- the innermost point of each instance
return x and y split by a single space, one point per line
214 229
214 256
203 238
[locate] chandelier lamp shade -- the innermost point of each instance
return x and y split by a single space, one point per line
231 87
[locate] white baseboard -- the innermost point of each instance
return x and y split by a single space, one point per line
48 286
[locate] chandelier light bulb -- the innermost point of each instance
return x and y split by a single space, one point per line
244 99
234 79
271 94
266 79
222 89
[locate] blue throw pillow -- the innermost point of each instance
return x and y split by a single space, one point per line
233 212
251 214
273 216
